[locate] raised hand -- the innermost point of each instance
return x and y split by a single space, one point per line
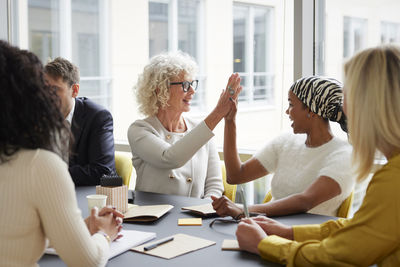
229 95
225 103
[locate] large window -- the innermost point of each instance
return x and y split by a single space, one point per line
364 25
354 35
176 25
111 42
252 52
75 30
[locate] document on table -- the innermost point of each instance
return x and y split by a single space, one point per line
130 239
181 244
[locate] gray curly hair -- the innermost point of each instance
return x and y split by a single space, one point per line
152 87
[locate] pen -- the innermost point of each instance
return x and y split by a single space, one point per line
150 247
245 209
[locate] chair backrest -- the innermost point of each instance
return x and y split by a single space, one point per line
343 210
123 165
229 189
267 197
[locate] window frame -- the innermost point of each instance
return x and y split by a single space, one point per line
198 105
248 100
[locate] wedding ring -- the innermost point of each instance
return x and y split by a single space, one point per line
231 91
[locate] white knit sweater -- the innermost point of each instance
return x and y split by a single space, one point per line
296 167
37 202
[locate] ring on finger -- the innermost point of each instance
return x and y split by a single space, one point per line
231 91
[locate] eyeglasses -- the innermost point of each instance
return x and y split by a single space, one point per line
186 85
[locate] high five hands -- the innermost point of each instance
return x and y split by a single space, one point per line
228 98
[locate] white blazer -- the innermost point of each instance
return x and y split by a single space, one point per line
184 164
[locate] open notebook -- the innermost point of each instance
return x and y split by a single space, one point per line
130 239
202 210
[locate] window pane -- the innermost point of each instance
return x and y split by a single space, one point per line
239 37
252 50
390 32
363 27
354 35
244 95
263 87
158 28
85 36
260 45
43 28
97 90
187 31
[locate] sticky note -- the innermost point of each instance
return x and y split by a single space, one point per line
189 221
230 245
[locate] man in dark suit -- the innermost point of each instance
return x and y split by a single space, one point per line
92 147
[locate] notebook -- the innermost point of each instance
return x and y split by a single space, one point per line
180 245
146 213
203 210
130 239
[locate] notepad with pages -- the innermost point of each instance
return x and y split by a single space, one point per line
129 239
181 244
146 213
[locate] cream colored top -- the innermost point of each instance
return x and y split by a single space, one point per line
38 201
184 164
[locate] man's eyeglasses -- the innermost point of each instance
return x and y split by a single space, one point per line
186 85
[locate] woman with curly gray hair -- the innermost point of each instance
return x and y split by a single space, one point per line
172 153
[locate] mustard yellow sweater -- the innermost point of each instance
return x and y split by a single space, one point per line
372 236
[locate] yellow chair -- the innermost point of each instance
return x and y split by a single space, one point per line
229 189
343 210
123 165
267 197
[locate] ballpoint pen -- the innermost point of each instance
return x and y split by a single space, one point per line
245 209
150 247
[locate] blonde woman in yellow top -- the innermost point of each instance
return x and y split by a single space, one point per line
372 236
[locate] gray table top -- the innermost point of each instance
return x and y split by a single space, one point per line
168 225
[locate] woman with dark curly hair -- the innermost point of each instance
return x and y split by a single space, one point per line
36 191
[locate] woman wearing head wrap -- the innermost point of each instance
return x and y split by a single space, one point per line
372 236
311 171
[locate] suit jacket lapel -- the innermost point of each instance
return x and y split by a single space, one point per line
77 122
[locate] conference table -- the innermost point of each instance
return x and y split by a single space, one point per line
168 225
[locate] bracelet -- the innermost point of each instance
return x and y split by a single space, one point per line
105 235
239 216
251 214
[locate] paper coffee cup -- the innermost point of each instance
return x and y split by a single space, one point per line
98 201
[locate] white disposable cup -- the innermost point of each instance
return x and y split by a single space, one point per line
98 201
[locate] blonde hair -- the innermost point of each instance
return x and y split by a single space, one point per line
152 88
372 89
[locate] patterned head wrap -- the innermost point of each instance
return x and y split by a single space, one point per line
323 96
